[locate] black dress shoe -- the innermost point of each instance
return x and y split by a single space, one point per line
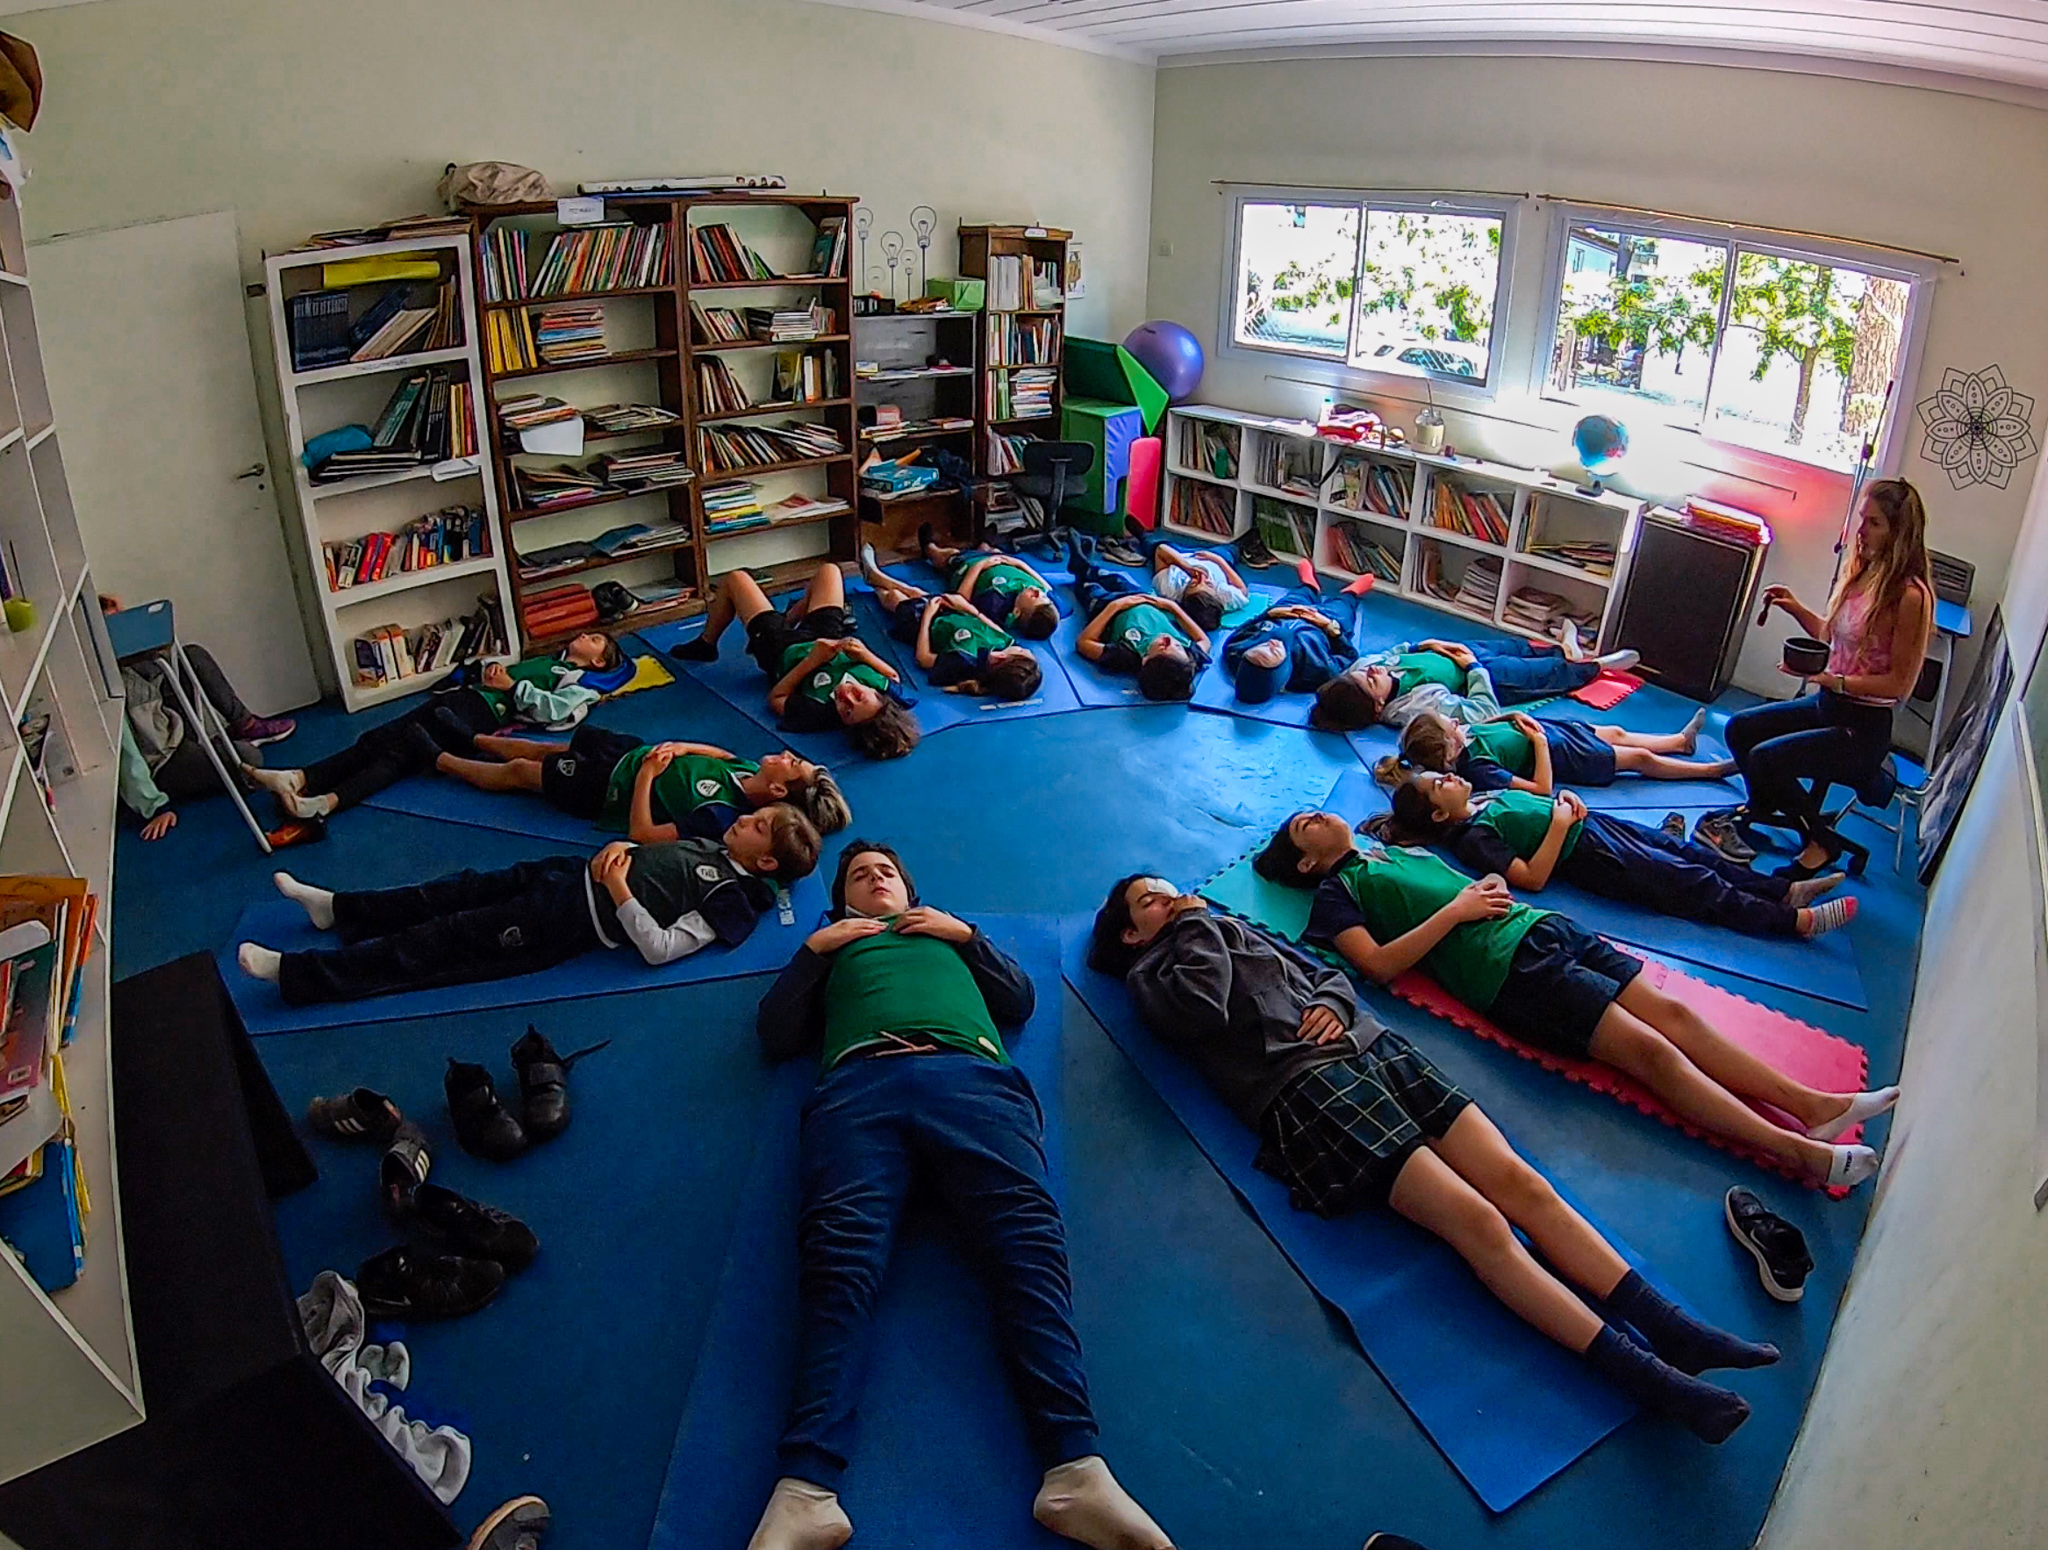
360 1115
407 1283
543 1086
474 1230
402 1170
482 1124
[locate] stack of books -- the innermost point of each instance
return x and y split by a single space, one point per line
558 611
717 325
414 427
1590 555
1022 395
1479 589
718 390
445 537
653 470
1531 611
1364 485
618 418
1475 513
800 508
1727 522
786 325
46 937
1022 341
1290 465
756 446
1006 453
1208 447
528 410
389 653
944 424
613 257
1286 528
1011 289
547 489
716 253
807 377
1205 508
405 230
567 334
1354 548
732 506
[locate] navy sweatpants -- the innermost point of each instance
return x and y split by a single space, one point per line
1671 876
1523 670
969 1131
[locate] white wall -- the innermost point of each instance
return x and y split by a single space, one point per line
1927 1424
304 115
1884 164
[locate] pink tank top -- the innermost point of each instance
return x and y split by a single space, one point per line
1854 648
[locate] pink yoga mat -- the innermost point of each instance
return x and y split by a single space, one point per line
1608 690
1800 1050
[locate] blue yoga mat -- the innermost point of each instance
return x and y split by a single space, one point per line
1629 793
941 1457
1825 968
281 924
1506 1407
736 680
450 801
938 710
1096 689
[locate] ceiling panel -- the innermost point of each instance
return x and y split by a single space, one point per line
1993 41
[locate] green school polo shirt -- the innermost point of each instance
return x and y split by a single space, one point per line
1503 743
686 785
541 672
898 984
827 676
1141 624
1412 669
966 634
1002 577
1522 820
1397 888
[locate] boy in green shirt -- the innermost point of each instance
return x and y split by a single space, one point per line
1005 588
650 791
1549 982
905 1006
960 648
1134 634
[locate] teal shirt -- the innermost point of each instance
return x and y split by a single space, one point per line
1396 889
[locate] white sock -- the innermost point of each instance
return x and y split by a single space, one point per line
1862 1106
259 962
318 903
1620 661
801 1516
1830 916
870 567
1813 889
307 807
1083 1502
283 782
1852 1165
1691 730
1568 639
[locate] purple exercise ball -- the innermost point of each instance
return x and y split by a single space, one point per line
1171 354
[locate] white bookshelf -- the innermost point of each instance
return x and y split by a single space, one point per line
68 1375
1330 490
320 400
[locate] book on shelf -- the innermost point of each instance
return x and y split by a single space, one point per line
1209 447
1014 288
719 391
801 507
563 335
718 325
1475 513
544 489
1006 453
731 498
559 610
415 426
1285 527
1291 465
618 418
807 376
410 228
615 256
526 410
1014 341
938 425
1048 284
650 470
1205 508
787 325
828 248
509 344
446 537
389 653
718 254
1479 585
736 447
1593 556
317 325
1365 485
1023 394
1355 548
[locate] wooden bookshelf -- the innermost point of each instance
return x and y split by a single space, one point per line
984 251
900 344
652 356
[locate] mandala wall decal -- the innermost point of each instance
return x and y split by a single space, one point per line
1977 427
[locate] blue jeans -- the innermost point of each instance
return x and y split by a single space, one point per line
1523 670
1312 660
970 1131
1095 585
1822 738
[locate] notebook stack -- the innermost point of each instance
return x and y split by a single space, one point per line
651 470
568 334
1479 590
616 419
548 489
730 507
413 428
788 324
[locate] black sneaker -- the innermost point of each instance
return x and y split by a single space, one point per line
362 1115
1720 833
402 1170
474 1230
517 1525
482 1124
1252 551
1393 1542
543 1086
1782 1262
1674 825
409 1283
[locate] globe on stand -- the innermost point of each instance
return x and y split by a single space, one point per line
1600 443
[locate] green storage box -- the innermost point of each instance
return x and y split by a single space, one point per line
960 295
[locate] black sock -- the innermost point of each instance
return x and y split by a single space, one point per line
925 534
1710 1413
1677 1336
698 650
1077 561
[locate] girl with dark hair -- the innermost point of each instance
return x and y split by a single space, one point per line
1531 839
1520 753
1467 684
1877 627
960 648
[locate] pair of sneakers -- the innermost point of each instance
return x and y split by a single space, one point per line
485 1127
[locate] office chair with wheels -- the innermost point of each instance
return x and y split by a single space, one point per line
1053 471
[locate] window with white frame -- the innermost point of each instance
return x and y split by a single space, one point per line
1410 286
1737 336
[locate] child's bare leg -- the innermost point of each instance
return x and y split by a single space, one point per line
892 594
499 746
827 590
739 597
1480 1155
1660 766
489 775
1684 740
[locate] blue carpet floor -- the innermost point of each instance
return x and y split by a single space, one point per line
1232 1404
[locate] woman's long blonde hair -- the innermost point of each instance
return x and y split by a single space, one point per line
1903 560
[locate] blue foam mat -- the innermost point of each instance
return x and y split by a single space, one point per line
1825 968
941 1457
516 812
938 710
1096 689
281 924
1508 1408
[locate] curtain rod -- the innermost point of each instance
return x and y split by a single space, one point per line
1597 204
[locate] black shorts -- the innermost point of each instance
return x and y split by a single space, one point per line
1577 756
1338 1136
577 781
770 633
1559 986
904 621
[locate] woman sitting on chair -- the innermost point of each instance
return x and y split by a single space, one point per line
1877 627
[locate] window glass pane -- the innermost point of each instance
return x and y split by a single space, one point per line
1296 270
1809 351
1428 294
1636 321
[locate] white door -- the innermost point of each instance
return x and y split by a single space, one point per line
147 348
